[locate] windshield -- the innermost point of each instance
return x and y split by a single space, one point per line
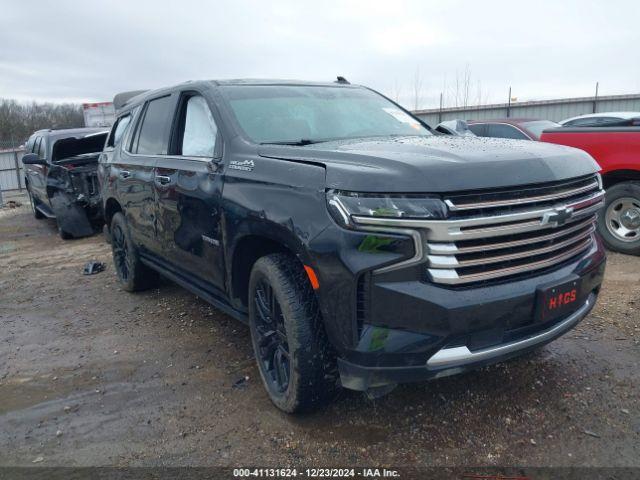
537 127
307 114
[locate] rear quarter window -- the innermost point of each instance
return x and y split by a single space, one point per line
118 130
152 137
41 148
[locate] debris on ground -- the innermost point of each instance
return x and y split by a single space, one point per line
93 267
241 382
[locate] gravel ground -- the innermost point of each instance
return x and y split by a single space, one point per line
92 375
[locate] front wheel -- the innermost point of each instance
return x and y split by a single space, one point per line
132 273
619 221
293 354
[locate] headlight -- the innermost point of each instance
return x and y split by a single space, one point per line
343 205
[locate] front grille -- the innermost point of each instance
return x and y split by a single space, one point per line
509 232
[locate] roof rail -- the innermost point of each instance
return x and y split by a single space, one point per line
121 99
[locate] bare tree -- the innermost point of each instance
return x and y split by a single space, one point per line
417 89
396 91
462 87
482 97
19 120
459 92
466 85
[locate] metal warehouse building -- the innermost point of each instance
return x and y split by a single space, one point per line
555 110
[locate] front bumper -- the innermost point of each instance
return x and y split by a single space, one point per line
453 360
418 331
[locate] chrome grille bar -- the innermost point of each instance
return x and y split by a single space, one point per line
448 261
451 276
522 201
452 248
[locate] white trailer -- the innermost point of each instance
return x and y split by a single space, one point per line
101 114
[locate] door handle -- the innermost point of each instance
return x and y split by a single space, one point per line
124 174
163 179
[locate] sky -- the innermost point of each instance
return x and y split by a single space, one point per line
76 51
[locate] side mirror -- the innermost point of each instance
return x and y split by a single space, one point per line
33 159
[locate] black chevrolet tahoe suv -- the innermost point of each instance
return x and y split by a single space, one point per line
61 178
363 249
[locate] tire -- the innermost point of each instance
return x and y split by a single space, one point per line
36 213
619 220
294 357
132 274
106 234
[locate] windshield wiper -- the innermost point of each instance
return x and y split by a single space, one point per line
301 142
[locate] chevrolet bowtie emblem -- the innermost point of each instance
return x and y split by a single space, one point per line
557 217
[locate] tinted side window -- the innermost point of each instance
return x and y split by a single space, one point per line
28 148
118 130
582 122
42 148
199 129
151 139
611 122
505 131
478 129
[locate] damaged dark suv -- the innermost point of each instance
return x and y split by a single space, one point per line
61 178
363 249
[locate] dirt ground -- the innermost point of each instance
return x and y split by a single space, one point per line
92 375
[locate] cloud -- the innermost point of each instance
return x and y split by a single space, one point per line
67 50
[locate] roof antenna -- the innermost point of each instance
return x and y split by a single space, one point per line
342 80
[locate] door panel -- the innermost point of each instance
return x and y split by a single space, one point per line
188 201
38 173
135 173
134 176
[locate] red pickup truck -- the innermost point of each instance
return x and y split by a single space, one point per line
617 150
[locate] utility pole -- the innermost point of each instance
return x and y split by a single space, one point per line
595 99
509 104
440 111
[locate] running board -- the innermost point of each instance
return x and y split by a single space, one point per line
200 291
46 212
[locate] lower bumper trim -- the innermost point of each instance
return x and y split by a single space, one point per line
455 356
451 361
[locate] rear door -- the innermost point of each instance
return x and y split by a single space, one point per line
133 170
188 190
38 173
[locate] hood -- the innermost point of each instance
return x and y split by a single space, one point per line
437 163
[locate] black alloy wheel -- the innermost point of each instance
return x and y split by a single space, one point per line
121 257
273 348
